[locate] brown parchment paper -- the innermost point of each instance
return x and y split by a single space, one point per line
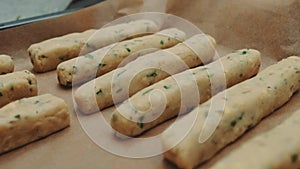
271 26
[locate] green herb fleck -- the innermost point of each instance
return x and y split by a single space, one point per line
114 118
206 114
18 116
62 69
101 65
128 50
162 42
90 46
241 75
147 91
210 75
121 72
294 158
61 58
69 84
167 86
244 52
75 69
36 102
153 74
99 92
233 123
141 122
29 82
43 56
1 94
89 56
213 142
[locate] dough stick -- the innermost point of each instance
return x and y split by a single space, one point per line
84 68
112 87
277 148
245 105
46 55
140 113
17 85
6 64
30 119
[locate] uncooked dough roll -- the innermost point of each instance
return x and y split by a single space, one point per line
95 64
245 105
46 55
6 64
30 119
277 148
17 85
113 87
144 112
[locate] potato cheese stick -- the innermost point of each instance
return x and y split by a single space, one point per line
173 60
245 105
46 55
30 119
6 64
274 149
95 64
17 85
238 66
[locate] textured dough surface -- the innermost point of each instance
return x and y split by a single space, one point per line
46 55
274 149
17 85
95 64
245 105
113 87
29 119
237 67
6 64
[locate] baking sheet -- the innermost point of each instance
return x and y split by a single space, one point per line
271 26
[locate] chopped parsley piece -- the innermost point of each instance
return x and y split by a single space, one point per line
29 82
69 84
36 102
153 74
233 123
147 91
101 65
294 158
128 50
75 69
244 52
61 58
89 56
99 92
114 118
167 86
121 72
18 116
210 75
162 42
1 94
90 46
141 122
62 69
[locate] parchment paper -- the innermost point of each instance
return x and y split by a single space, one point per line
271 26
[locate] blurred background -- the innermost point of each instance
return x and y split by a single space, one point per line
17 12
